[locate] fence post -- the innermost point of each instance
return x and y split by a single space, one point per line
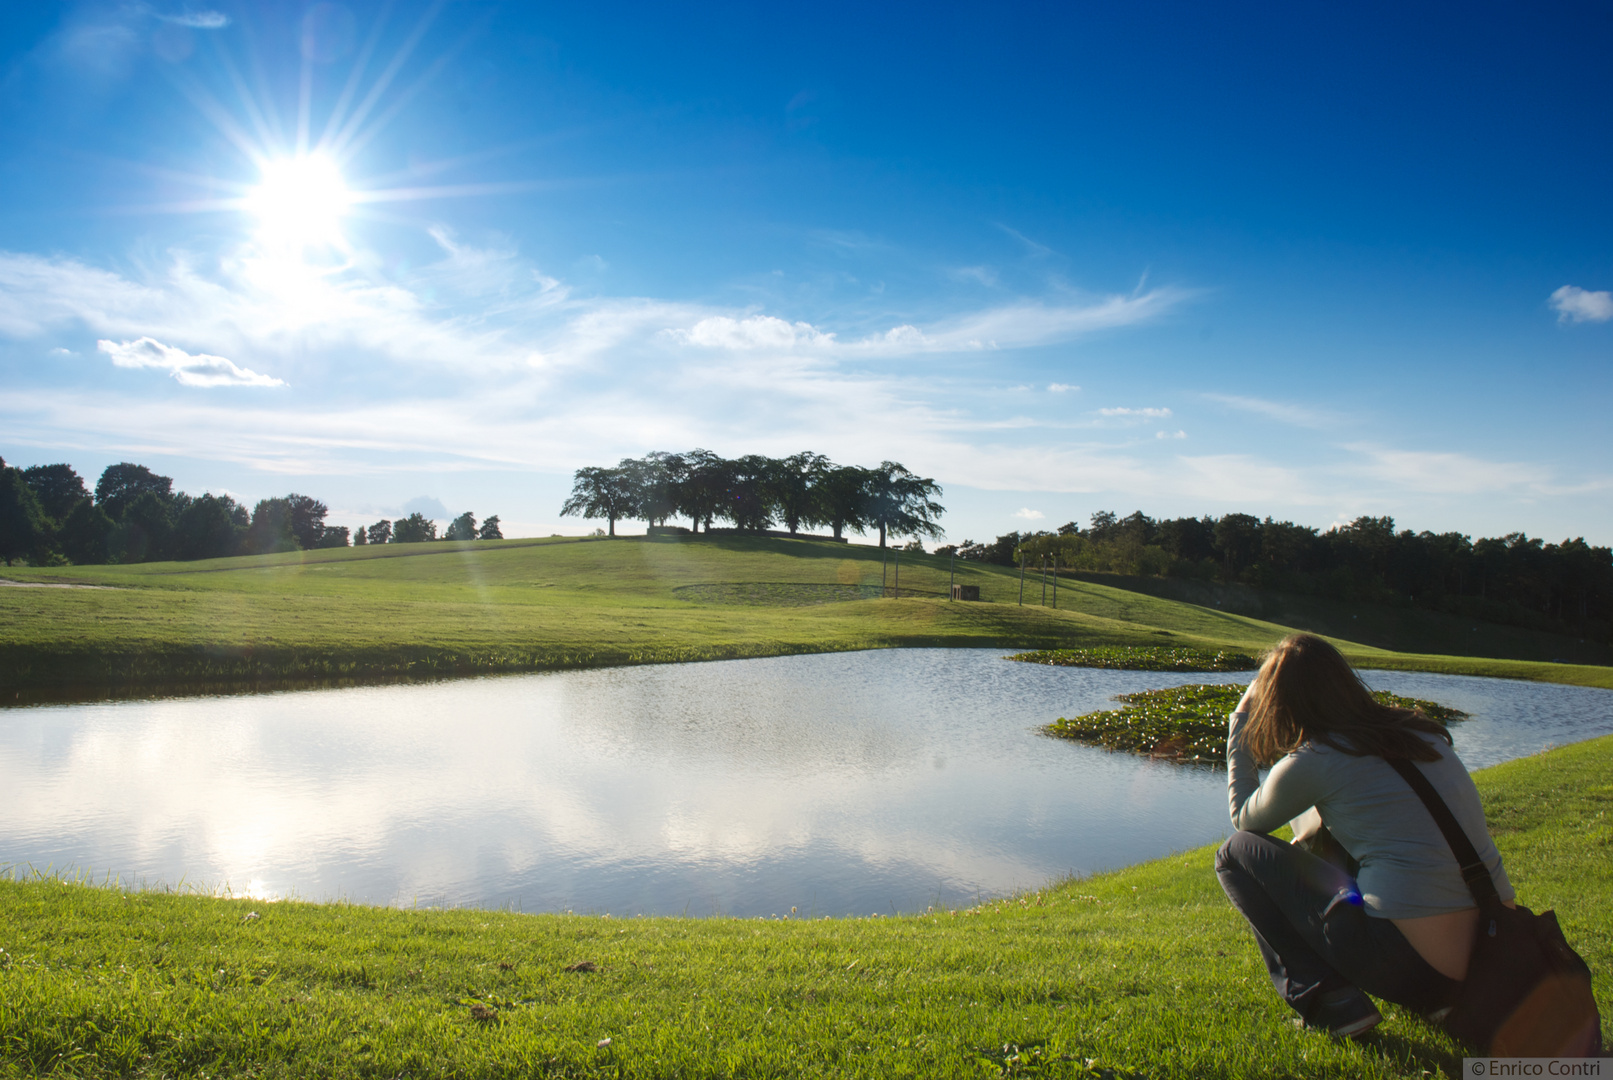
1044 580
882 584
1055 583
952 573
896 560
1021 579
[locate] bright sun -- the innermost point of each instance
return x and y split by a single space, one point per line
300 202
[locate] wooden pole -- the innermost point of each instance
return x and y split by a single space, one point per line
1055 583
896 559
1021 579
882 558
952 573
1044 580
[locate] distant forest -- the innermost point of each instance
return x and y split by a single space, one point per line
49 517
1516 579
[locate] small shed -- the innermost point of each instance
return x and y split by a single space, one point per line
966 592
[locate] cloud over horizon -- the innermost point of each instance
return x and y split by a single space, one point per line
189 369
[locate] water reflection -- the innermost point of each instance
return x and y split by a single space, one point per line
840 784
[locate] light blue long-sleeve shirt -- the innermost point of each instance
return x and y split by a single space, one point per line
1407 868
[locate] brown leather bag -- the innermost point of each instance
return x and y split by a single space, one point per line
1527 992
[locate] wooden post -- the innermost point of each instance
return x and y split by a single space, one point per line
1044 580
1021 579
882 558
952 573
1055 583
896 560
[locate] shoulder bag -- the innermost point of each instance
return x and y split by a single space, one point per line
1527 992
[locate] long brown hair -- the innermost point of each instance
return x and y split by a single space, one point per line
1307 692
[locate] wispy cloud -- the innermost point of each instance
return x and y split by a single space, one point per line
1170 434
195 20
1444 473
1284 412
1028 514
1574 304
1063 388
1144 413
189 369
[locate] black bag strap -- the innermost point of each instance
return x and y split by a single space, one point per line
1474 872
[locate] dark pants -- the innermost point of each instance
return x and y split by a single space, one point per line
1311 944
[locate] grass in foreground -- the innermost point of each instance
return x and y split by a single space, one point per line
431 610
1143 972
1189 723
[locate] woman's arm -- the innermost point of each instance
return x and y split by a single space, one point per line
1294 785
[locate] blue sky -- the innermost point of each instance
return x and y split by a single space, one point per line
1305 261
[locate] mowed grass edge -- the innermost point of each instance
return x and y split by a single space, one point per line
1145 971
433 610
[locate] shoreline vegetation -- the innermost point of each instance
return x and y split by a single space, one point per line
401 612
1145 971
1188 724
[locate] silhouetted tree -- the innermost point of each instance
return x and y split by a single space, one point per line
655 479
333 536
414 529
145 532
210 527
600 493
842 499
124 482
24 527
462 527
270 530
308 521
57 487
489 530
381 532
794 485
703 487
901 503
360 537
86 536
749 488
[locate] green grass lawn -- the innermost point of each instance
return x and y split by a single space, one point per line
438 609
1142 972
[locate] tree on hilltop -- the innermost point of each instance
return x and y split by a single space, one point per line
57 487
901 503
462 527
413 529
124 482
601 493
490 530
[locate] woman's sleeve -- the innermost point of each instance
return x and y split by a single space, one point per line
1294 785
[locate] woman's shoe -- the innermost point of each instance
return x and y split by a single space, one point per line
1344 1014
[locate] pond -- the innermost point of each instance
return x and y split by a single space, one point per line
838 784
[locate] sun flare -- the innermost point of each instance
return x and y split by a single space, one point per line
300 202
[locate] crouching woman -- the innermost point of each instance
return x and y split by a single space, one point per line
1400 927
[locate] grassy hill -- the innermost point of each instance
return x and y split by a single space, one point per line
435 609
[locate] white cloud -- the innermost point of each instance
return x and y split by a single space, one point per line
1444 473
1148 412
1170 434
189 369
754 332
1298 415
60 351
1063 388
982 275
1574 304
196 20
1029 514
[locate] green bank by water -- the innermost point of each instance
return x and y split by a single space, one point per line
1141 972
429 610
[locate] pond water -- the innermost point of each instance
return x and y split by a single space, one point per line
847 783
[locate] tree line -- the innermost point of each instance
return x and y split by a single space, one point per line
754 493
1517 579
49 516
